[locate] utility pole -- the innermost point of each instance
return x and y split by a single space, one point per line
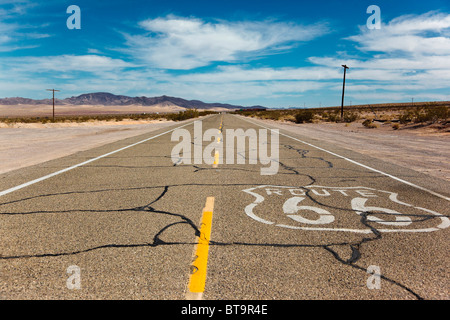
343 91
53 102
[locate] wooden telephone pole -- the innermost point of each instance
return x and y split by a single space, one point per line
53 102
343 91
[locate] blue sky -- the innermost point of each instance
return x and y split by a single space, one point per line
272 53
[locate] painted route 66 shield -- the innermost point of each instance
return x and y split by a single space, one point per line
339 209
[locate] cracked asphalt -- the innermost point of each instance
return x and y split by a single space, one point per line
130 220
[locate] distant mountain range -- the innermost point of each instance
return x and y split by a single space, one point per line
109 99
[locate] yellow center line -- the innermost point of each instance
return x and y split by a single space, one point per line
217 155
216 159
221 124
197 278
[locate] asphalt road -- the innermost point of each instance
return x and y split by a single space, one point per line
124 221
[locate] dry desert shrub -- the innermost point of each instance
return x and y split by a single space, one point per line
368 123
188 114
429 114
304 116
350 116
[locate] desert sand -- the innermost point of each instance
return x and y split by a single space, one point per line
80 110
69 110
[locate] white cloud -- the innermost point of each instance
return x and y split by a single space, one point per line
93 51
66 63
240 73
421 34
187 43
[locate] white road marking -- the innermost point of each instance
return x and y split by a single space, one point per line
291 208
359 205
29 183
359 164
